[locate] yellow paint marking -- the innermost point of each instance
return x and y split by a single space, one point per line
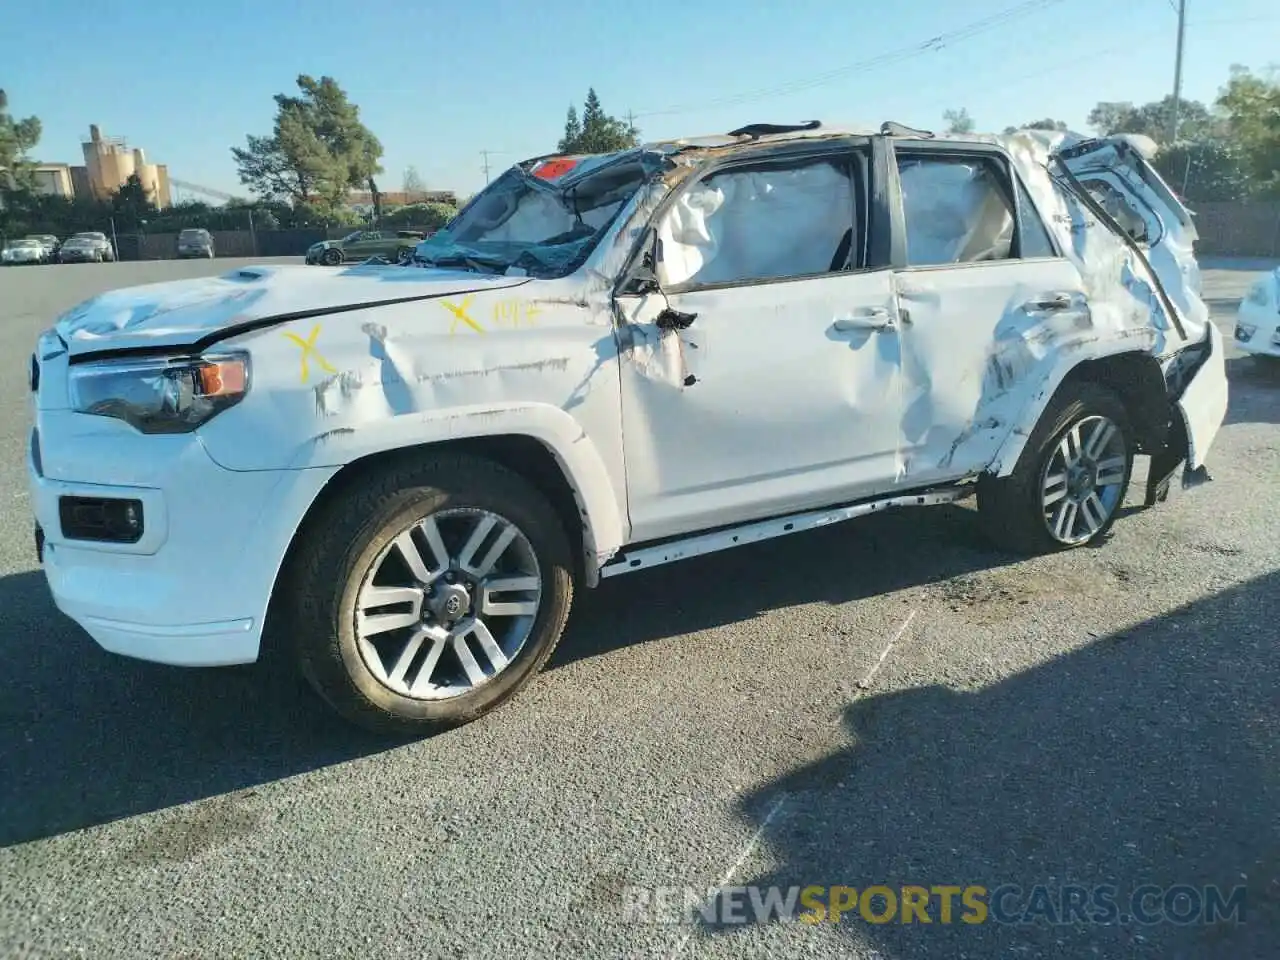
459 311
514 314
309 350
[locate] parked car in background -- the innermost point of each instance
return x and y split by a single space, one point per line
1258 319
25 251
195 242
396 245
86 248
605 364
50 242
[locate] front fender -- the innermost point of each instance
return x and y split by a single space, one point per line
579 459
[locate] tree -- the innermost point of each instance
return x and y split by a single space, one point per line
17 137
1204 171
1155 120
413 187
429 216
958 121
131 204
1251 105
317 152
572 131
1048 123
598 132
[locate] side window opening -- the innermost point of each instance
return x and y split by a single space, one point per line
957 210
1119 208
766 222
1033 237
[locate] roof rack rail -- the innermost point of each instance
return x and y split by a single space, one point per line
757 130
891 129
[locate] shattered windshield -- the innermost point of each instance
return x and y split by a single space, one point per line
543 217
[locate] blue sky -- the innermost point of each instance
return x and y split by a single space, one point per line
439 83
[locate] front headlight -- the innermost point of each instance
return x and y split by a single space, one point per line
173 395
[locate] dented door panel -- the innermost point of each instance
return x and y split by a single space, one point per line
979 334
776 397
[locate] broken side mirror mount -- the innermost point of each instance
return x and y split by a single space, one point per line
644 274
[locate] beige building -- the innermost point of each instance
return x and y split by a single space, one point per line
53 180
109 162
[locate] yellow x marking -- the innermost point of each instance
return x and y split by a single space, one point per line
459 311
309 350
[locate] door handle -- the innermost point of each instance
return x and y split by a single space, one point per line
1053 301
874 319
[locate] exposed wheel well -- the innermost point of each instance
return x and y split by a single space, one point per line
1137 380
523 455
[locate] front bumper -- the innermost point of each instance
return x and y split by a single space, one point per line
194 589
1264 322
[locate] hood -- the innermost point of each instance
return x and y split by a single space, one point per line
195 313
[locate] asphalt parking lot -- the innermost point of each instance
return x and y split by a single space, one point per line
884 702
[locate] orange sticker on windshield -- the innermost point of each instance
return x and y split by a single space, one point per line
558 167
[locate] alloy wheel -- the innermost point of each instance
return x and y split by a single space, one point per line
448 604
1083 483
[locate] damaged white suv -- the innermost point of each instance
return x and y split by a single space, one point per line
606 363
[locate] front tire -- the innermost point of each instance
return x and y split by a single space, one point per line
331 257
1070 482
428 594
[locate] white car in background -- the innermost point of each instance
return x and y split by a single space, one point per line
1258 319
24 252
607 363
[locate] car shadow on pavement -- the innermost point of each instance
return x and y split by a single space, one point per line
87 736
871 556
1147 757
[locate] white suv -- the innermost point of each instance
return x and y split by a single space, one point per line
606 363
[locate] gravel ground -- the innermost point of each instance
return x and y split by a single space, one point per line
884 702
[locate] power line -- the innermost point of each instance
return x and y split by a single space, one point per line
933 44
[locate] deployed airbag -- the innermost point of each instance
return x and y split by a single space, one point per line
757 224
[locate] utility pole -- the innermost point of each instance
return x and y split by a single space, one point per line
631 123
1177 71
485 154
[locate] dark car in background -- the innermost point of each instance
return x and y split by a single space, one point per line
394 245
92 247
195 242
49 242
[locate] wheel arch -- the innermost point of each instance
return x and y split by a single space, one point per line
1134 376
534 443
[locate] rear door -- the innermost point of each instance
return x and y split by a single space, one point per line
983 293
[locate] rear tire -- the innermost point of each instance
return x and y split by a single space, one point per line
356 555
1049 503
